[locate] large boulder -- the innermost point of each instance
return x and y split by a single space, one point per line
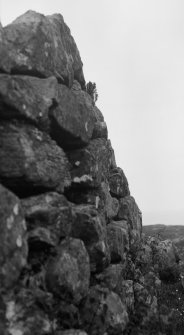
31 161
27 98
73 119
68 273
41 46
13 242
90 227
90 166
104 312
48 216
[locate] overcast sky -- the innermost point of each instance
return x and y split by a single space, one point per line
134 51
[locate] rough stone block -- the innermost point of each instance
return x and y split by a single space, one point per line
90 227
27 98
49 210
100 130
100 198
118 183
73 120
24 316
104 312
90 166
111 276
51 49
129 211
13 242
30 161
68 274
118 240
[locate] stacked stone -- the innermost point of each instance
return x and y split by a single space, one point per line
70 230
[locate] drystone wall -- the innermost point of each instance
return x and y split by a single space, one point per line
72 257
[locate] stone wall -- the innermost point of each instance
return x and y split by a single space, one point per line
72 258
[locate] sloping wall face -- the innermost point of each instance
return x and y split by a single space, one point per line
71 252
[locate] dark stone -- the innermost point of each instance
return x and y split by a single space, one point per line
73 120
118 240
24 316
100 130
111 276
51 49
13 243
90 166
118 183
111 205
67 316
68 274
49 210
90 227
30 161
27 98
103 312
100 198
66 114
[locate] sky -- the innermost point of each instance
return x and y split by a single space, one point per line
134 51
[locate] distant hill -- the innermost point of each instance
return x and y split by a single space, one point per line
174 233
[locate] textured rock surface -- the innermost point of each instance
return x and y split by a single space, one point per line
29 159
13 244
27 98
49 210
90 166
90 227
100 198
129 211
73 120
24 317
1 32
103 312
68 274
83 266
118 240
52 52
118 183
